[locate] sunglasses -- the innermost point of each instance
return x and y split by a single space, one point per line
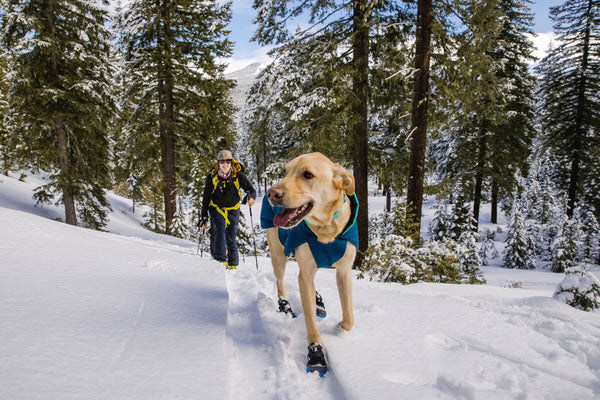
224 161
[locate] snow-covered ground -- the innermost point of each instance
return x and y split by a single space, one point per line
135 315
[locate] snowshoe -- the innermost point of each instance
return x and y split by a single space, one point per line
320 306
316 359
284 307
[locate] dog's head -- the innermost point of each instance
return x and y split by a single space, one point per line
312 185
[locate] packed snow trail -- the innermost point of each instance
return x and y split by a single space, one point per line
423 341
267 348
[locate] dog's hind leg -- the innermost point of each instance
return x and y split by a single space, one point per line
344 284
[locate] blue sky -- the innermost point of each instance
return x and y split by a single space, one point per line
246 52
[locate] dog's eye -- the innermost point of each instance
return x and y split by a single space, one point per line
308 175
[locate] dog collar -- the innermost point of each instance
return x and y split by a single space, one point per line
337 213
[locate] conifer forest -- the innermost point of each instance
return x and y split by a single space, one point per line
418 98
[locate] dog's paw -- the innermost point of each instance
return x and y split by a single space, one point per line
321 312
284 307
341 331
316 359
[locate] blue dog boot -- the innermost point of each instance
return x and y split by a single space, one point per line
320 306
316 359
284 307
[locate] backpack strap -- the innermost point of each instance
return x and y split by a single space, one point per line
224 210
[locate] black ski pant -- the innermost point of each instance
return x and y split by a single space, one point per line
225 237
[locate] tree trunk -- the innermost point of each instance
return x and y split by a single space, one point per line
65 167
494 205
167 136
479 176
360 87
574 176
388 198
62 137
414 197
579 134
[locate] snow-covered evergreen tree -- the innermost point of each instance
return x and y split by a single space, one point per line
395 257
468 256
487 247
176 96
541 201
591 188
451 221
568 92
488 84
463 217
520 249
589 250
565 245
580 289
442 224
8 147
390 107
60 98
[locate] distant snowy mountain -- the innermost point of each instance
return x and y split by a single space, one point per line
244 78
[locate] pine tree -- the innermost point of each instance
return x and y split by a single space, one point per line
519 251
442 225
419 114
513 130
7 149
489 87
580 289
60 98
589 250
294 105
176 97
487 248
469 258
569 87
389 108
591 188
463 217
542 202
546 217
564 246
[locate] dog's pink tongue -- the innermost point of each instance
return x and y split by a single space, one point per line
284 217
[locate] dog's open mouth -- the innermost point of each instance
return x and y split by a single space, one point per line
290 217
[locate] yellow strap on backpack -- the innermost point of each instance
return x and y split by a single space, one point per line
224 211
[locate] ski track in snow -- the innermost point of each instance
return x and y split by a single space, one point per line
260 335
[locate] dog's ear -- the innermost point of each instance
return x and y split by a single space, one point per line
343 179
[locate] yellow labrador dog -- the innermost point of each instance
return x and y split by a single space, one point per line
312 213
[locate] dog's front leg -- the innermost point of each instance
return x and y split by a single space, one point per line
306 283
278 259
344 284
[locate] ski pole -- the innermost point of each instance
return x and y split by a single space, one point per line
253 236
199 240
